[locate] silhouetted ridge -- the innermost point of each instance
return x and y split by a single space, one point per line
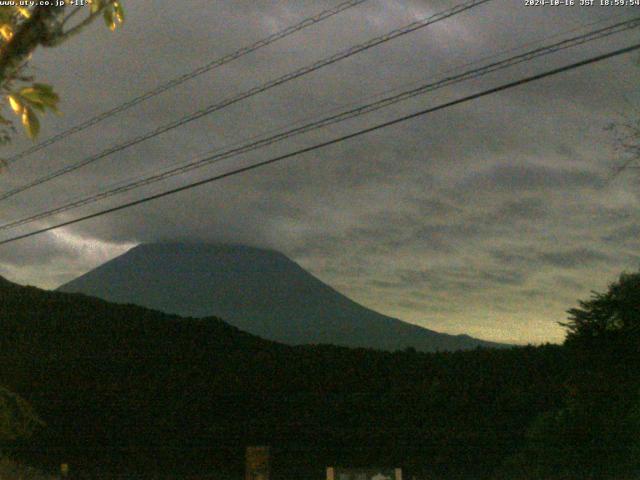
259 291
123 389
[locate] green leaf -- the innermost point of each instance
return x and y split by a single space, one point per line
41 95
30 122
43 87
38 106
31 94
96 6
118 11
24 12
5 15
108 18
16 103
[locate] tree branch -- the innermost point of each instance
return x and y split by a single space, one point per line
31 33
74 30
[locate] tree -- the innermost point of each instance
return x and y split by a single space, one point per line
609 323
22 30
591 437
17 417
594 435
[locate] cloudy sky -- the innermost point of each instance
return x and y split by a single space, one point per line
490 218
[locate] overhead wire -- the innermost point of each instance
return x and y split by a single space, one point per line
404 118
412 27
340 117
359 100
174 82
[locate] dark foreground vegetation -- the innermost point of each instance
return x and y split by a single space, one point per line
126 389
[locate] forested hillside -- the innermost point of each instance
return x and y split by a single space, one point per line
123 388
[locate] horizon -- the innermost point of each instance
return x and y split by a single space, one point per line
490 218
191 243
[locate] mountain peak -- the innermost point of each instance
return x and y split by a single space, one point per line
201 246
257 290
186 248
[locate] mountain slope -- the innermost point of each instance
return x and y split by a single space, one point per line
259 291
124 388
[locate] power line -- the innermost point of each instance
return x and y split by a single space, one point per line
174 82
253 91
333 141
381 94
330 120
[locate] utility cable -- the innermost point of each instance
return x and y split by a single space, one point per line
330 120
334 141
174 82
250 93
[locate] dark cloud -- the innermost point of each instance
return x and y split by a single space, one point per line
523 178
504 277
463 221
522 208
579 257
561 257
624 235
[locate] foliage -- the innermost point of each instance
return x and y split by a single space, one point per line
604 333
22 30
153 389
158 391
611 315
596 432
17 417
593 436
11 470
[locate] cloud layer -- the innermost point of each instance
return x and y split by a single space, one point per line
491 218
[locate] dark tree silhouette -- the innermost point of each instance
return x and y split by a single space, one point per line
17 418
594 435
611 315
